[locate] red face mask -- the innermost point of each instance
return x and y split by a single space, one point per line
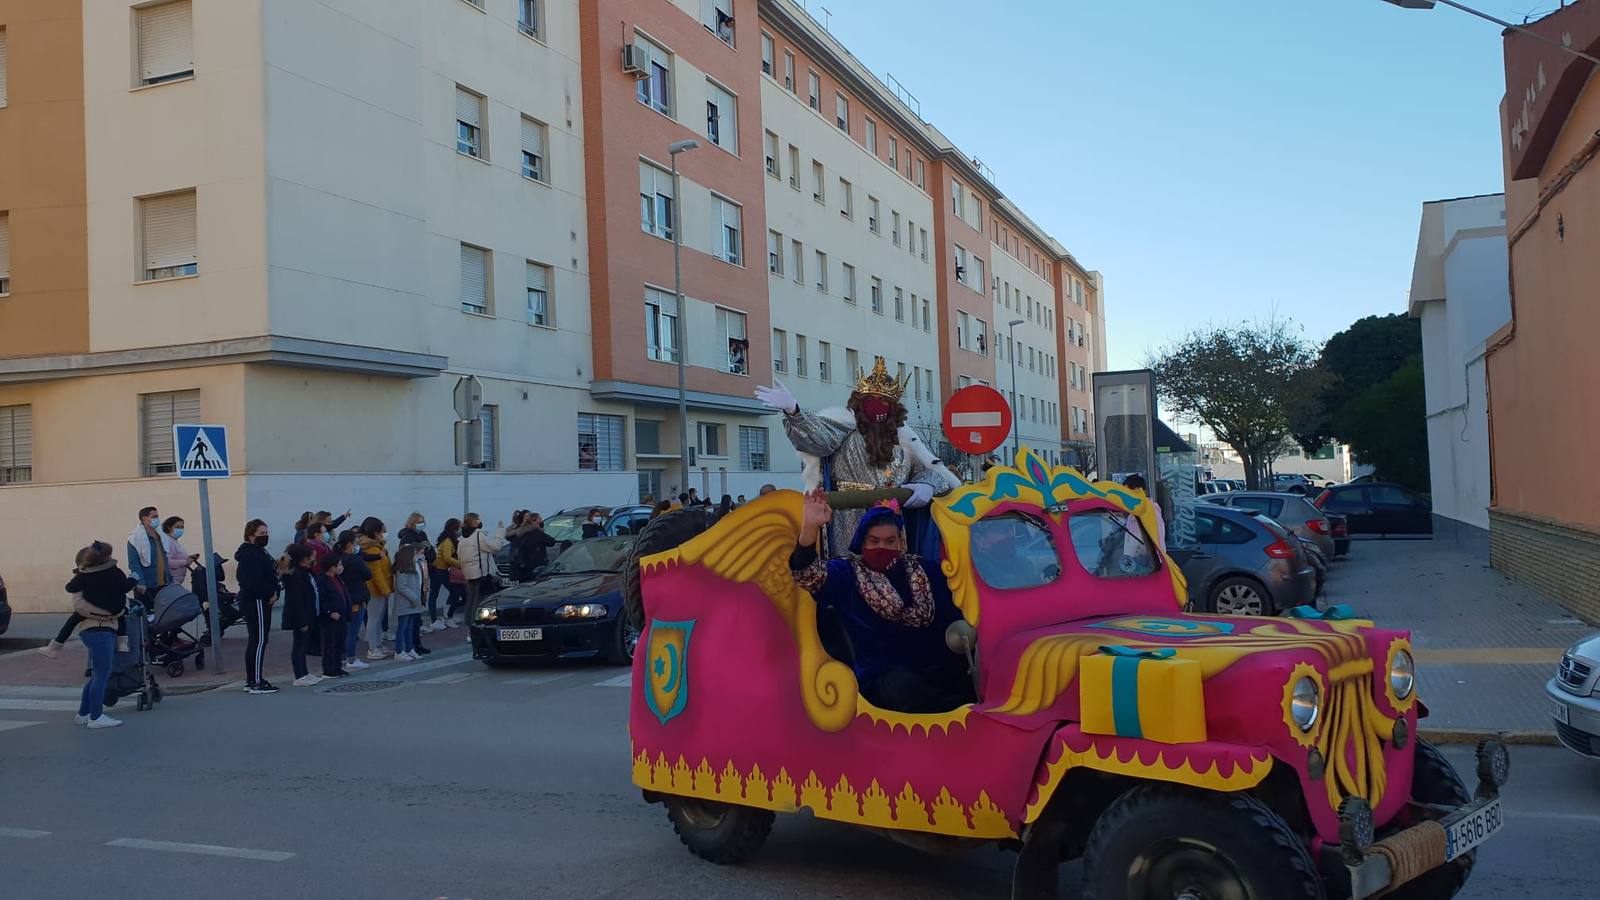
876 409
879 559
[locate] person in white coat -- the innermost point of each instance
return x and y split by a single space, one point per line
476 550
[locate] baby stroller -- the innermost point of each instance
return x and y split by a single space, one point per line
130 670
167 641
228 612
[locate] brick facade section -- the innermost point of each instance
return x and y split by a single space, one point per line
1561 561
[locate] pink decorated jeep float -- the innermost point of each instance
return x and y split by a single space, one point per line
1181 756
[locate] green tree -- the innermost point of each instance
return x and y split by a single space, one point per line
1386 426
1358 358
1240 382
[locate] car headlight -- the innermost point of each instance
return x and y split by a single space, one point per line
486 614
581 611
1402 674
1306 704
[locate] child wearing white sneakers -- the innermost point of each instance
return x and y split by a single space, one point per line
410 589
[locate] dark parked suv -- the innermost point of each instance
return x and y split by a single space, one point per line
1379 508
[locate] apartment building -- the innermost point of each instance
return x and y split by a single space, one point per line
304 219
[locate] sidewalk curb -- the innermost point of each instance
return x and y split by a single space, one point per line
1474 735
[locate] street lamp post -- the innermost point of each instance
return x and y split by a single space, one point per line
1011 354
673 150
1429 4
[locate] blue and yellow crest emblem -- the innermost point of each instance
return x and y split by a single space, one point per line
666 689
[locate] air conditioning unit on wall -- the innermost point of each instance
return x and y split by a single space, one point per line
635 59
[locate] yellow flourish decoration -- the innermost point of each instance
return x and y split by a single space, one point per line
906 810
1183 772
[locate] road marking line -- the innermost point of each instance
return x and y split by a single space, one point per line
542 679
202 849
1565 620
622 681
453 678
23 833
382 672
13 703
13 726
1491 655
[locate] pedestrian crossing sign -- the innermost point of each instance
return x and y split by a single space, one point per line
202 450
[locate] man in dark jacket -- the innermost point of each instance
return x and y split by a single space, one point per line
257 574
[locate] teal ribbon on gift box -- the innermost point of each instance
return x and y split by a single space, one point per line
1339 612
1125 685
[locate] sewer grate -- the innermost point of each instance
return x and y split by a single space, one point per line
363 687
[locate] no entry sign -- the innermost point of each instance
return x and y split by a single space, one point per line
977 419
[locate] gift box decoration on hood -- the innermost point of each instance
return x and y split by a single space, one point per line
1149 694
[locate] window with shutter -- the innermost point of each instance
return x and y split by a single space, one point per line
600 446
539 295
16 444
474 279
729 236
490 416
168 231
528 17
533 149
166 42
157 414
661 325
657 201
469 124
753 448
5 253
722 118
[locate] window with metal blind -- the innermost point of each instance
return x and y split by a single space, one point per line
166 42
168 234
490 416
770 147
722 118
600 447
474 279
157 414
788 71
753 448
774 253
729 236
655 88
849 283
767 53
814 88
538 285
824 360
841 112
852 363
469 124
5 253
877 295
533 133
731 325
657 201
16 444
780 350
660 325
2 67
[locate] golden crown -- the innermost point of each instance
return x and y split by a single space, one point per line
880 382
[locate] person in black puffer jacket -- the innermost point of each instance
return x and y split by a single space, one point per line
533 553
102 591
302 605
355 577
257 575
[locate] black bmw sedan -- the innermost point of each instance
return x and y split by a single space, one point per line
572 609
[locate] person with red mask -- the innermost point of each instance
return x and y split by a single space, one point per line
864 446
892 611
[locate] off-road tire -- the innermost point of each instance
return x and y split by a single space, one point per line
1434 780
1210 835
719 832
1267 606
664 532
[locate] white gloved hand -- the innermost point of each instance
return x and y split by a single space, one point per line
777 397
921 494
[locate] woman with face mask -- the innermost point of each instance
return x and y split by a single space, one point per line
178 559
257 574
889 606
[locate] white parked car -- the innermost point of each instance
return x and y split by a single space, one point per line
1575 697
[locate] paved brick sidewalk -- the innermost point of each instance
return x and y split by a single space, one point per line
1485 644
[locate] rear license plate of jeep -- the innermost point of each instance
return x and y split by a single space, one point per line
1473 830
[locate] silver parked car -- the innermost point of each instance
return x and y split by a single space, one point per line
1575 697
1246 565
1292 512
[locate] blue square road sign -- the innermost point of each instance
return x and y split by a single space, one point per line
201 450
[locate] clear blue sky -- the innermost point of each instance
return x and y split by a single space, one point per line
1216 160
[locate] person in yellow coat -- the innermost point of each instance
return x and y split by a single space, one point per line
380 585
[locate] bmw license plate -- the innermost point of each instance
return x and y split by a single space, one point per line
1472 830
521 634
1559 710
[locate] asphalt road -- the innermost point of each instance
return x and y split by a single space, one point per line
465 782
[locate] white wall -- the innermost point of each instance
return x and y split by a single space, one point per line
1461 258
803 308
